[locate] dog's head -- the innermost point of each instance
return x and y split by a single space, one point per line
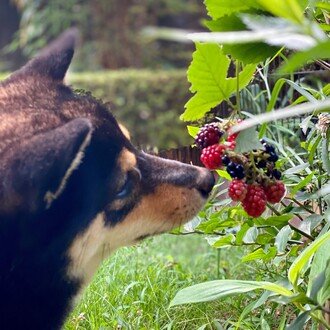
73 188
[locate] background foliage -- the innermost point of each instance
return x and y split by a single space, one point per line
110 30
143 100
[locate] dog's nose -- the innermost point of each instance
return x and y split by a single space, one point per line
206 183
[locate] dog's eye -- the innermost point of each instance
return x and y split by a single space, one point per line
125 189
131 177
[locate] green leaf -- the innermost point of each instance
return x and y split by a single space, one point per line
193 131
251 235
289 9
264 238
312 147
299 322
323 5
296 169
247 140
225 23
253 52
213 290
276 220
224 174
297 266
260 254
325 153
302 184
224 241
208 77
275 94
241 233
247 53
325 190
219 8
282 238
324 293
318 267
319 51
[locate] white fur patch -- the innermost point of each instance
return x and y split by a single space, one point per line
51 196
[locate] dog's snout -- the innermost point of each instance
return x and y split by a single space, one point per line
206 183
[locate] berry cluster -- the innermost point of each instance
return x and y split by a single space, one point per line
255 180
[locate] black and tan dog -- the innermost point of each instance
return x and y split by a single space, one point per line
73 189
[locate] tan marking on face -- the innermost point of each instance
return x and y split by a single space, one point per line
126 160
125 131
168 207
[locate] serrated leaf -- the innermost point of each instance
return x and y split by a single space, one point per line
253 52
289 9
193 131
225 23
213 290
247 140
247 53
208 77
219 8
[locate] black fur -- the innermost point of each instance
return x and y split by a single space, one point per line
47 198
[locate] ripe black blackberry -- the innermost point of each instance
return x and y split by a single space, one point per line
273 157
276 174
225 160
208 135
235 170
262 163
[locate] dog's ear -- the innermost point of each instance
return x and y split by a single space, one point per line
41 167
54 60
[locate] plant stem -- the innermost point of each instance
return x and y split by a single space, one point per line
238 101
273 209
300 204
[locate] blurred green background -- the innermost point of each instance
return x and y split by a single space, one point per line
142 78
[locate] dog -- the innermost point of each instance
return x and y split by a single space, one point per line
73 189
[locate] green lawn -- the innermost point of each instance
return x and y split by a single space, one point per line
133 289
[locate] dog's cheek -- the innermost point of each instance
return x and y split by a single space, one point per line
167 207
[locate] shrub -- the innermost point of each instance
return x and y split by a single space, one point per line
147 102
292 235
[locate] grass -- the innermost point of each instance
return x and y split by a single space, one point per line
133 289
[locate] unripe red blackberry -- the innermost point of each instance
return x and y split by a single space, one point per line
211 156
275 192
237 190
208 135
255 201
